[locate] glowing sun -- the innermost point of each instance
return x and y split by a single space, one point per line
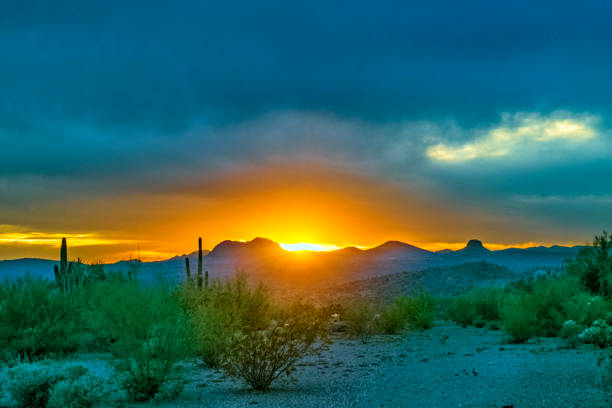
305 246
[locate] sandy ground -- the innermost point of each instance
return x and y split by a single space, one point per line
446 366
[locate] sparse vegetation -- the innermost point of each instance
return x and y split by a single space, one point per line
541 306
147 332
222 310
365 318
41 385
359 316
30 385
242 330
36 320
259 355
407 311
476 307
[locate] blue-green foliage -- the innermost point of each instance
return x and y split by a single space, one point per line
37 320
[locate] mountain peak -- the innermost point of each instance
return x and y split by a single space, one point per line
397 248
240 248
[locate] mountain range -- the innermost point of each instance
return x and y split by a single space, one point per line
264 260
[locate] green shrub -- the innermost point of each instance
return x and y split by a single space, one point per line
82 393
549 296
223 310
43 385
30 385
360 316
415 311
599 334
570 332
422 310
76 389
147 331
519 316
261 355
480 306
36 320
593 266
393 319
584 308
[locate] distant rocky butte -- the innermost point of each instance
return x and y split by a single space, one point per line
474 245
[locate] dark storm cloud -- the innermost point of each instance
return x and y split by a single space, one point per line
163 66
115 96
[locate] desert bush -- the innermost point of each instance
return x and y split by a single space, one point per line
476 307
394 318
519 316
570 331
593 266
584 308
30 385
43 385
360 318
147 331
415 311
259 355
221 311
599 334
422 310
549 296
36 320
81 393
76 389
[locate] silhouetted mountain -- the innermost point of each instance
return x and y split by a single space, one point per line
15 268
255 248
395 249
347 251
264 260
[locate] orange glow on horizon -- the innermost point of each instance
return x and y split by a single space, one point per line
305 206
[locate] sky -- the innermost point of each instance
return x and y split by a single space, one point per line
133 127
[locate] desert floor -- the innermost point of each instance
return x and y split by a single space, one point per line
446 366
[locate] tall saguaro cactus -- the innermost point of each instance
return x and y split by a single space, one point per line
201 281
64 257
199 263
69 275
63 274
